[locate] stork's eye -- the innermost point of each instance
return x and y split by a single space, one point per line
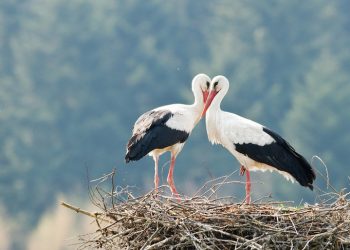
216 84
208 83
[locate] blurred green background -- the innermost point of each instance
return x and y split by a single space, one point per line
75 76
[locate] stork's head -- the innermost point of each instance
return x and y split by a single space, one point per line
218 84
200 86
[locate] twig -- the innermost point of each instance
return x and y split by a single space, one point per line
81 211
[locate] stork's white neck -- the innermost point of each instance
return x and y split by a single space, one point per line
198 82
198 104
216 103
212 119
198 99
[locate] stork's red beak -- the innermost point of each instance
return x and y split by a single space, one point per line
210 98
205 95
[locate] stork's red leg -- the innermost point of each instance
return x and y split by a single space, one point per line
242 171
170 177
247 187
156 178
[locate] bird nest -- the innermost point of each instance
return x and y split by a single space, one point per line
157 221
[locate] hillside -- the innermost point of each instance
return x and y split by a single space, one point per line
75 76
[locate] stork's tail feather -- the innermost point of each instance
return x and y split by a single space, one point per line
136 148
305 175
293 162
134 154
127 158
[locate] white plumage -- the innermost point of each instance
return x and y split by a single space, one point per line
167 128
253 145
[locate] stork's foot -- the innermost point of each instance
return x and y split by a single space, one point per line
242 170
173 188
175 193
156 185
170 178
247 199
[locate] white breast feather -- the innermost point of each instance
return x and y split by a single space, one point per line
213 125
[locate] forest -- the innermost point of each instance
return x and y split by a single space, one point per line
75 76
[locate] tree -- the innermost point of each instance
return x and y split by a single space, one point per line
319 116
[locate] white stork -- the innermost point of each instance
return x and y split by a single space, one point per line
253 145
167 128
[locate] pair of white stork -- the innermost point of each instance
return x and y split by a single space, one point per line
256 147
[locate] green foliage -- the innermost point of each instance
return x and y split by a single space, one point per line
75 75
319 114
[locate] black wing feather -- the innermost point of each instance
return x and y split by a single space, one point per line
150 132
281 155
